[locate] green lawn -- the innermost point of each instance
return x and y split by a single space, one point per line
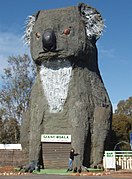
52 171
62 171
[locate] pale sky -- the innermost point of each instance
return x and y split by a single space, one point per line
114 47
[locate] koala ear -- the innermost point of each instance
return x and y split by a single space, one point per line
93 21
29 23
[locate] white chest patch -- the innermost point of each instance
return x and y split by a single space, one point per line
55 83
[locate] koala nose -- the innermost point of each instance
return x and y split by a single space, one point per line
49 40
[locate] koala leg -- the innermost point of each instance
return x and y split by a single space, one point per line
35 141
99 135
79 121
36 122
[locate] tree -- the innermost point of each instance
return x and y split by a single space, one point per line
125 107
122 123
121 127
18 79
10 131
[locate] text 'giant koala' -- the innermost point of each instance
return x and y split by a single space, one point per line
68 96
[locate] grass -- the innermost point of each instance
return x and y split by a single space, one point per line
62 171
52 171
94 170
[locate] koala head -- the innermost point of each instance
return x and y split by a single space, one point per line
62 33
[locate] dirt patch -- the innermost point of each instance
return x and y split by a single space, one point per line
9 170
111 173
90 174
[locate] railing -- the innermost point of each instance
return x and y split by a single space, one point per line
118 160
123 159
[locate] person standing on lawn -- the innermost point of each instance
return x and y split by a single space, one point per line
71 159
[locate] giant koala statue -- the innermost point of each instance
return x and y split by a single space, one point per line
68 96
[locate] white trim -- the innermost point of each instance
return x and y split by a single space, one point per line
11 146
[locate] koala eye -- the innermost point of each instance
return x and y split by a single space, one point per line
37 35
66 31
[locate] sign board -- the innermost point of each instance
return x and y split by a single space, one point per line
131 140
55 138
130 137
110 161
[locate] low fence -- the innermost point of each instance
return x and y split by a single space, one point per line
11 155
118 160
123 159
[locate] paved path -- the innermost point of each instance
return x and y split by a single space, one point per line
66 177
